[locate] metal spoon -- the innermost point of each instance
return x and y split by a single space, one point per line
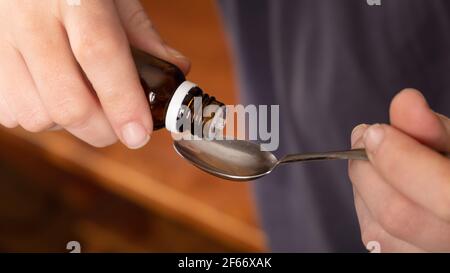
241 160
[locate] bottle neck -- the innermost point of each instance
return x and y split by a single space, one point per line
190 105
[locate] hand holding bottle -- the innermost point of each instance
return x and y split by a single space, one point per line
70 66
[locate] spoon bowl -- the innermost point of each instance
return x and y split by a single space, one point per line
236 160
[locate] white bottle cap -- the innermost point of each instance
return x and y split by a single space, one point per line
175 105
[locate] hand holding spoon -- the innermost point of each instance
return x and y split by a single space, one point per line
241 160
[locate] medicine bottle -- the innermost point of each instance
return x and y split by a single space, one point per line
171 96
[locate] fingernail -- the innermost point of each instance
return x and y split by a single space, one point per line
373 137
175 53
358 132
134 135
424 100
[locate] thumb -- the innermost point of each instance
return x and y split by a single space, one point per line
411 114
142 35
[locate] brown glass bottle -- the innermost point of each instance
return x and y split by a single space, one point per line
167 89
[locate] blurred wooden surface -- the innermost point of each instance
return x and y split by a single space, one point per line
152 185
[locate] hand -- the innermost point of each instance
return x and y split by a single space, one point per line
402 196
68 66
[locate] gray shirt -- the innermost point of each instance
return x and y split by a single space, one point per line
330 65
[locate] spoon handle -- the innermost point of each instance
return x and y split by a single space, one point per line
356 154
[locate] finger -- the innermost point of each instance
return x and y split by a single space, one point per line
411 114
6 117
20 92
415 170
396 214
56 128
143 35
61 85
101 47
446 122
372 232
357 134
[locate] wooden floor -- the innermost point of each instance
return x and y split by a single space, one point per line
55 189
